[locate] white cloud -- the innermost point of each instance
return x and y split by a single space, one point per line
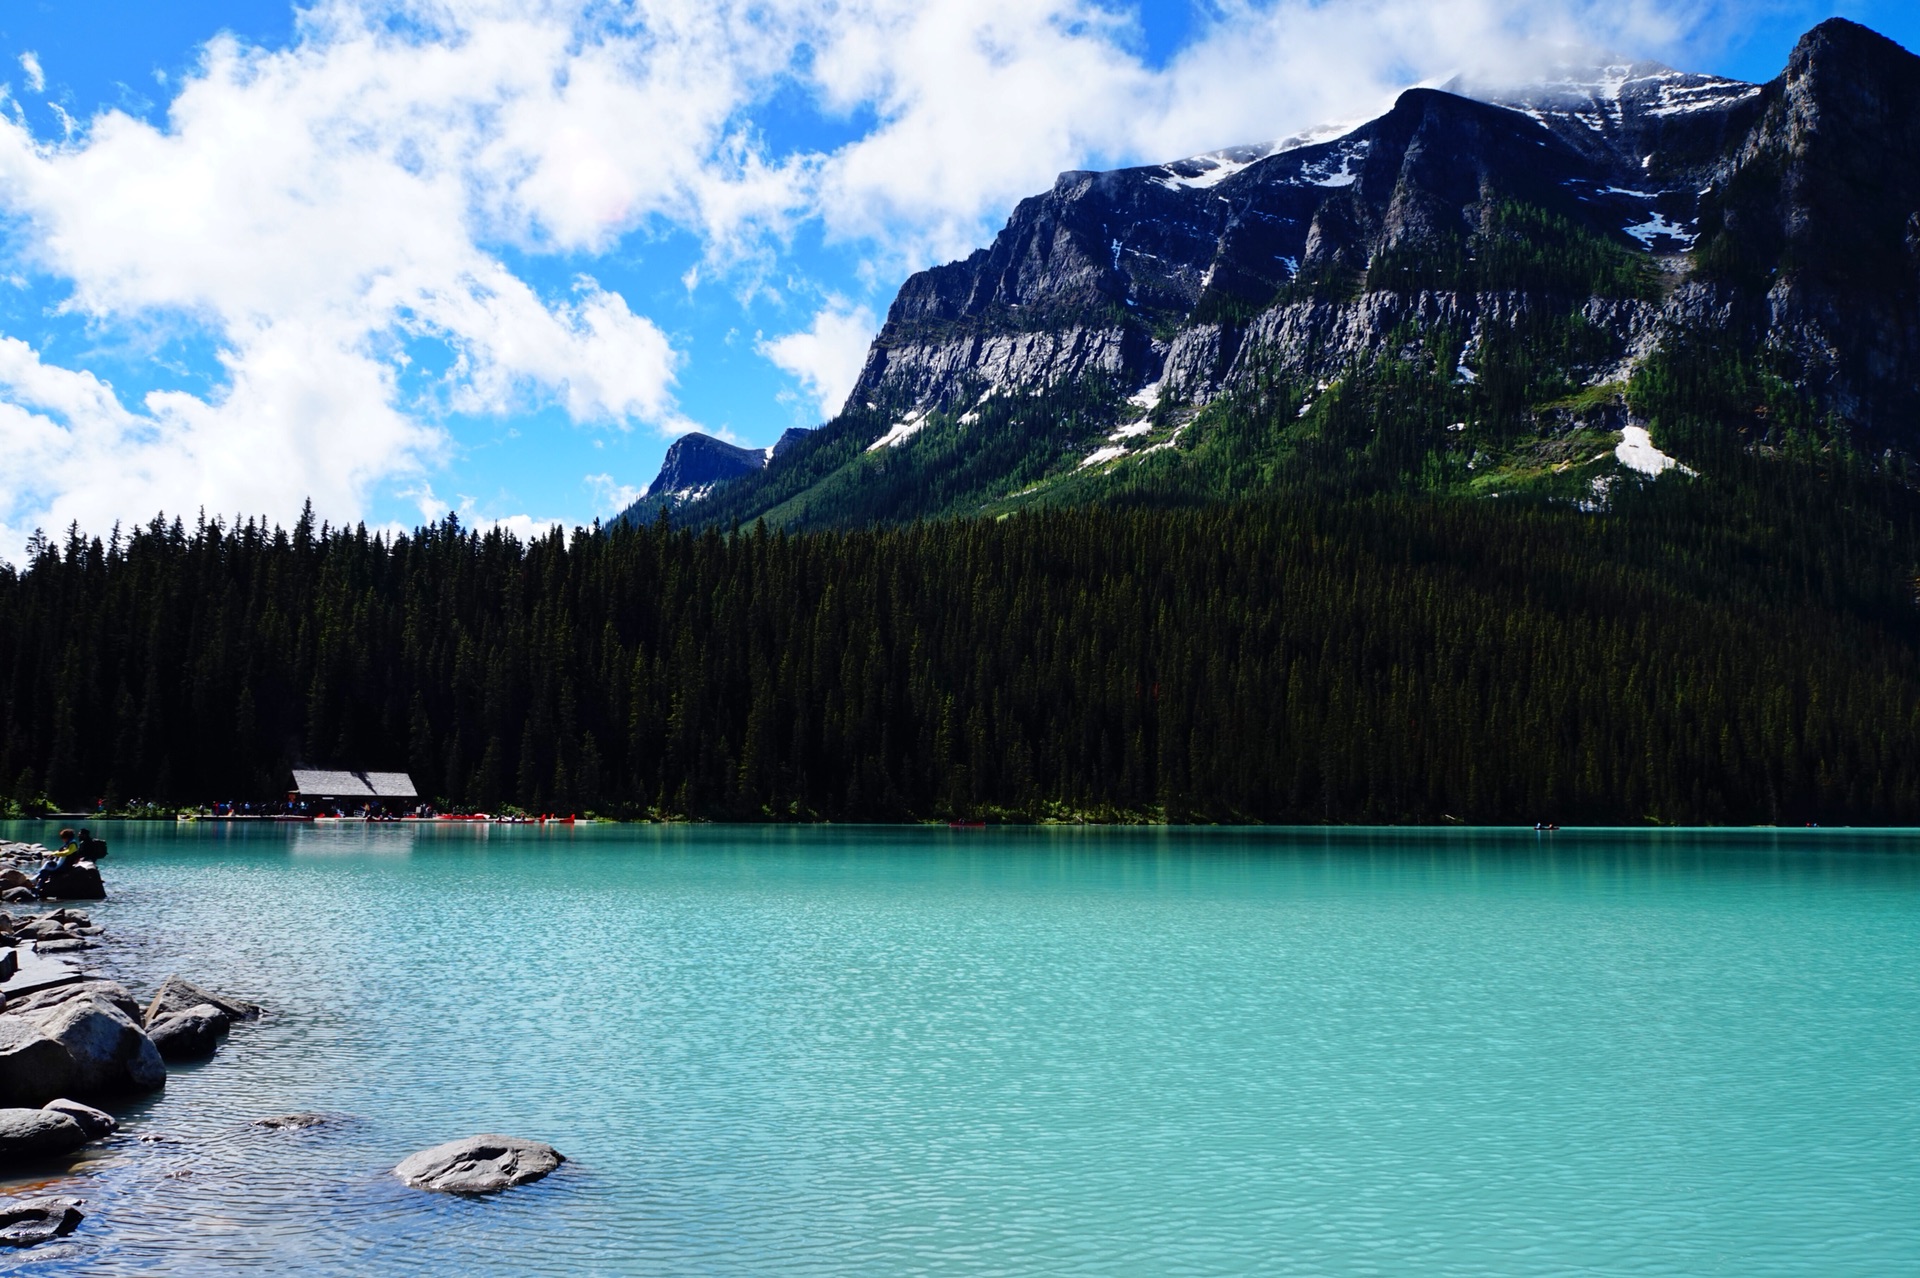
36 79
825 357
70 451
610 496
313 208
525 528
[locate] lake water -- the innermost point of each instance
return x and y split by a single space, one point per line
858 1051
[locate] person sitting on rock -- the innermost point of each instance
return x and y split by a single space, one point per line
69 852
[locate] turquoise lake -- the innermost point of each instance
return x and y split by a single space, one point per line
892 1051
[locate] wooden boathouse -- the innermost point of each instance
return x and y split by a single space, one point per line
352 789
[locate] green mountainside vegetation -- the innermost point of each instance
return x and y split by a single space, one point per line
1738 648
1522 412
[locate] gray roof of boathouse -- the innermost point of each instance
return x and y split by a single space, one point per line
323 784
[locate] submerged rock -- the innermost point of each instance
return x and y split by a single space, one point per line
190 1035
175 996
38 1133
94 1122
26 1221
293 1122
479 1165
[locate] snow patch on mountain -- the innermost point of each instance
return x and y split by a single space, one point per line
901 431
1211 171
1636 452
1701 93
1658 226
1324 173
1211 168
1169 442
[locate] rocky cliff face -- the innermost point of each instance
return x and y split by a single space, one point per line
1810 228
1182 274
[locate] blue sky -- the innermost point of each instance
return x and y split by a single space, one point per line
401 256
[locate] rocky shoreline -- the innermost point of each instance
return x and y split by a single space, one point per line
73 1044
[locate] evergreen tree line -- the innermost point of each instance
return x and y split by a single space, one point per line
1703 652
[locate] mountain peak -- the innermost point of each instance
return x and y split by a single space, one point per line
1838 36
1599 85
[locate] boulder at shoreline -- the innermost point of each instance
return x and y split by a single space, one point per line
111 1054
190 1035
34 1069
479 1165
175 996
77 882
94 1122
38 1133
87 987
96 1052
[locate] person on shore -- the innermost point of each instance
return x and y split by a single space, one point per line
69 853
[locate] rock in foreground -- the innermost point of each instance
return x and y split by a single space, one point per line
84 1047
94 1122
190 1035
77 882
479 1165
111 1055
36 1220
33 1068
38 1133
88 987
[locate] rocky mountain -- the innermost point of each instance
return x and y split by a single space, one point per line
695 464
1619 270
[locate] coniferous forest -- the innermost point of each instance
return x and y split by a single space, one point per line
1698 652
